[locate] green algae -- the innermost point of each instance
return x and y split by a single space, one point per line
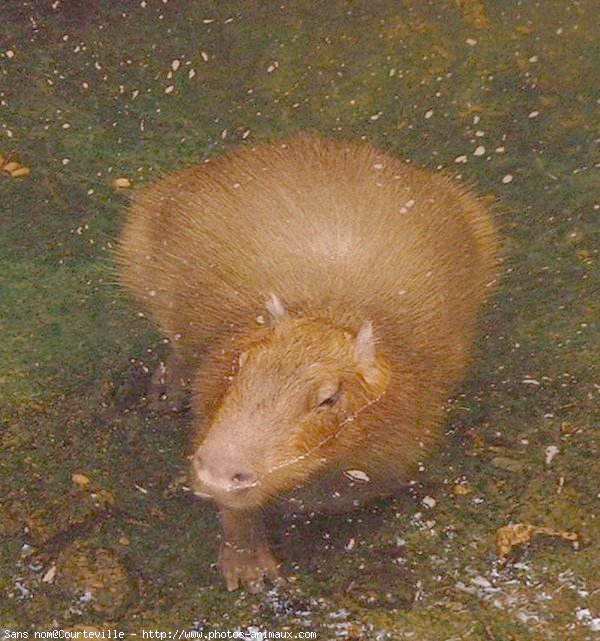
85 100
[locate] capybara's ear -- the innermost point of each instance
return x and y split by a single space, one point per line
364 347
368 366
276 309
242 359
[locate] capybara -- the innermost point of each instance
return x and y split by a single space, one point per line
320 297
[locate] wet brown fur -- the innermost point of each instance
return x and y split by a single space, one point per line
329 228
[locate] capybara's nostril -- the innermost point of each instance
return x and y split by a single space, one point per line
221 471
242 480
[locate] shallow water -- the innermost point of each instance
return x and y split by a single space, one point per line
502 94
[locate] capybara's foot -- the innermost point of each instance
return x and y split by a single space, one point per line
168 389
247 567
244 558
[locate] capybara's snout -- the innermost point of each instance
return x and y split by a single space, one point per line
222 472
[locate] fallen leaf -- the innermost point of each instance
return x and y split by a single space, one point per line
121 183
461 489
49 575
79 479
510 536
20 171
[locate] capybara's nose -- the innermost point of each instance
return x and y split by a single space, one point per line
222 472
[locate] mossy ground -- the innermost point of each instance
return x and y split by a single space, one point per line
504 93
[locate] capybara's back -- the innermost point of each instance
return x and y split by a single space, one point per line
325 225
322 298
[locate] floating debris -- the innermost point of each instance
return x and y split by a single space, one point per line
20 172
358 475
49 574
80 479
461 489
122 183
551 451
429 502
510 536
15 169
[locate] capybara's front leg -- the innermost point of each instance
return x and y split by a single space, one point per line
169 384
244 558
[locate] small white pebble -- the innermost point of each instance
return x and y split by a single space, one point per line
175 64
428 501
479 151
471 42
9 53
534 114
191 73
169 89
460 159
428 114
507 179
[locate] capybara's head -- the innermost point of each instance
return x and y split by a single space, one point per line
291 409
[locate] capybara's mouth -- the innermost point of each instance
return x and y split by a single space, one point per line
230 497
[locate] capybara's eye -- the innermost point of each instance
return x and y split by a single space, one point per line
330 401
